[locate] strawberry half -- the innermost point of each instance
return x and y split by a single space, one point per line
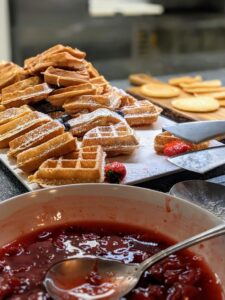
176 147
115 172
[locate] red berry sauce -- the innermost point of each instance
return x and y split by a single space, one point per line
24 263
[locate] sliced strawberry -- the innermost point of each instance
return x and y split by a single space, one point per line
176 147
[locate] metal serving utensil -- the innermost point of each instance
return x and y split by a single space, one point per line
200 161
206 194
122 277
197 132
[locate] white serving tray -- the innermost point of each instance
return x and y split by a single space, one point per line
143 165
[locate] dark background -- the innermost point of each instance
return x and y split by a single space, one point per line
188 36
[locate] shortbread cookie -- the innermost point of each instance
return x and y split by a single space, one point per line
177 81
196 104
159 90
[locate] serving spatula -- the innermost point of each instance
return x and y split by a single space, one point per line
200 161
197 132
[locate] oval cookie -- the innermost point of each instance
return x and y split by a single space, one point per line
140 79
177 81
196 104
160 90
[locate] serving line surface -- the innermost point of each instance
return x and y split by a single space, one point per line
11 186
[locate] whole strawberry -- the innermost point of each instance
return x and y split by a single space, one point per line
115 172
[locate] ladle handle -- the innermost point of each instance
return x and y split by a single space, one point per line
206 235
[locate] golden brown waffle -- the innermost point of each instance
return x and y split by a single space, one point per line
60 96
141 113
31 159
26 91
55 49
21 85
60 77
85 165
101 83
9 74
57 56
93 72
13 113
100 117
125 99
89 103
35 137
56 114
19 126
165 137
115 140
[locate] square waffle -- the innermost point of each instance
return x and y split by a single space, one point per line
60 77
85 165
30 160
100 117
15 128
165 137
57 56
13 113
35 137
115 140
89 103
141 113
26 91
9 74
60 96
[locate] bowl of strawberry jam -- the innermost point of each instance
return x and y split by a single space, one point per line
128 224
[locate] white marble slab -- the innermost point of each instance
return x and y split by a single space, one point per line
143 165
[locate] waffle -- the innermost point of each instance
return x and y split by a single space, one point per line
21 85
165 137
19 126
60 96
93 72
83 166
31 159
57 56
100 117
35 137
55 49
9 74
141 113
125 99
115 140
13 113
89 103
60 77
101 83
26 91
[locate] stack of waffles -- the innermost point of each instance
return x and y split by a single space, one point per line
88 119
